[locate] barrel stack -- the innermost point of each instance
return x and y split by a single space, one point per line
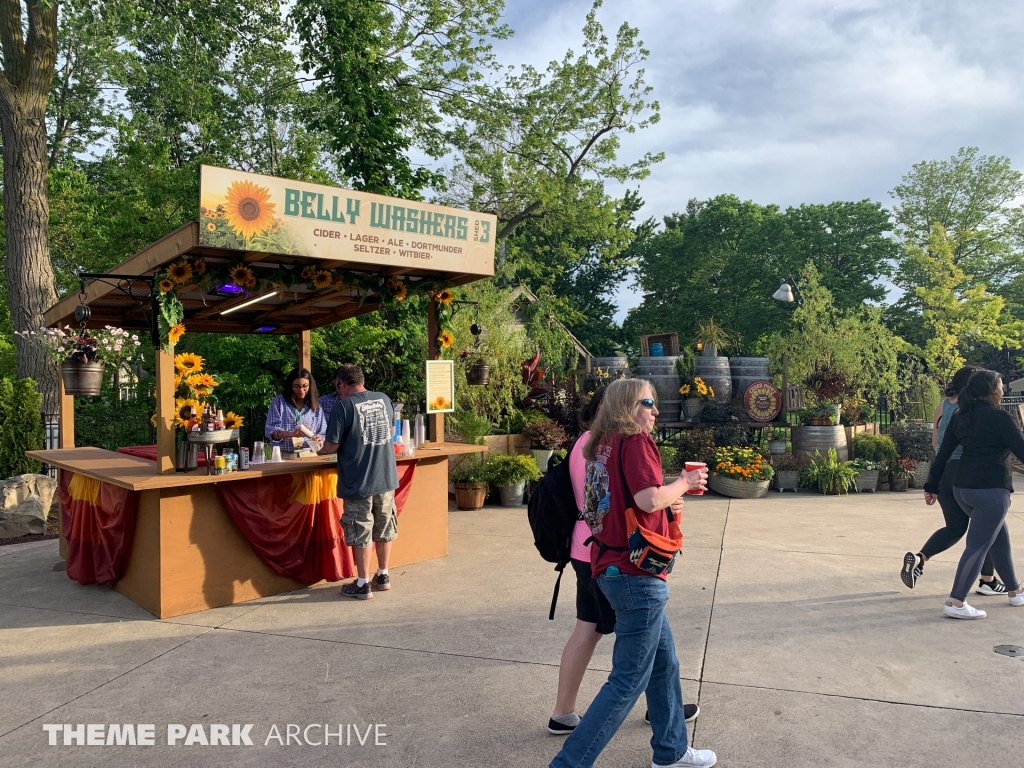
715 372
747 370
615 367
663 375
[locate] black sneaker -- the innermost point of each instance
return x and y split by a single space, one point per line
364 592
994 587
380 582
559 729
690 712
911 570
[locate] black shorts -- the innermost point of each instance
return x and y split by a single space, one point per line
591 604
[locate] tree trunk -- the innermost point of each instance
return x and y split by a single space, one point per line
29 57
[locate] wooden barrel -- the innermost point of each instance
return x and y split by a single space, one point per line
657 366
746 370
819 439
615 367
714 371
669 400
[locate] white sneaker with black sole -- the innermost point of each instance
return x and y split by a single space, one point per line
994 587
966 612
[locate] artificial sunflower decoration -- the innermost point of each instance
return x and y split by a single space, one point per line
188 362
241 275
446 339
322 279
183 410
199 266
248 209
211 227
250 282
179 271
175 333
232 420
308 273
401 293
443 296
166 285
339 284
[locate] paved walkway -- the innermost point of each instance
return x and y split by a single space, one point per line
794 634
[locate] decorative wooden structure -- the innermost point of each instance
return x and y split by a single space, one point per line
183 561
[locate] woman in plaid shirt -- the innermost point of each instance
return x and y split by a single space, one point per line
296 405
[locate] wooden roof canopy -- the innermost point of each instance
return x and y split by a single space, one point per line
286 311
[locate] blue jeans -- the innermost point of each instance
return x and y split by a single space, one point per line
644 660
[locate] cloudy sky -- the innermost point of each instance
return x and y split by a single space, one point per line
803 100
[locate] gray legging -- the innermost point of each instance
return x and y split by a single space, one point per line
987 533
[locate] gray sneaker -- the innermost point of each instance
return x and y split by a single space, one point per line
364 592
380 582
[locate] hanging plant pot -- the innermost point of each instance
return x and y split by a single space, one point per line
82 378
478 375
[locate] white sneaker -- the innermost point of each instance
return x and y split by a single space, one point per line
694 758
967 612
1017 600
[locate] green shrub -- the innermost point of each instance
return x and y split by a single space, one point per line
469 470
670 463
472 428
874 447
504 470
828 474
696 445
22 427
913 440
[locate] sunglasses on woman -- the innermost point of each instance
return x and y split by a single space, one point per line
647 402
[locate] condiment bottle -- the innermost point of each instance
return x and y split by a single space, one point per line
219 420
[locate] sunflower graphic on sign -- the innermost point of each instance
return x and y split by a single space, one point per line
248 209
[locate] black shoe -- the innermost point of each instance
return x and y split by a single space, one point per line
690 712
380 582
911 570
364 592
560 729
994 587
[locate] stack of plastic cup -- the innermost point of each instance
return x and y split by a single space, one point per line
258 456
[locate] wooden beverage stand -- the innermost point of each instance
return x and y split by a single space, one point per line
186 552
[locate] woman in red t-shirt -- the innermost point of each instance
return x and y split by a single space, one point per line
623 473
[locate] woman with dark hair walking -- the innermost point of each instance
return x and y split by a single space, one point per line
982 486
956 519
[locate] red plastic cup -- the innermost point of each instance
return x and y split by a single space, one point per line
690 466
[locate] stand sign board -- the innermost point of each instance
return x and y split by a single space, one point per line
440 386
249 212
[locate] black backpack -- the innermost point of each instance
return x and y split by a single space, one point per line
553 514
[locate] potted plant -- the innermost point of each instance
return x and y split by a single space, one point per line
874 450
777 439
827 386
711 337
900 472
740 473
510 473
544 437
469 479
695 394
787 472
83 354
828 474
913 440
478 368
868 473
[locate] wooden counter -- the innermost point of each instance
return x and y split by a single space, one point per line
188 555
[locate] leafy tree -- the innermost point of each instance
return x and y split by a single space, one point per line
971 196
957 313
542 142
387 71
22 426
28 42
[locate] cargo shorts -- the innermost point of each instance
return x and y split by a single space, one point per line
373 519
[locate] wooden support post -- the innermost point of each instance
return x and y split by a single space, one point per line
305 351
785 389
66 418
165 443
435 421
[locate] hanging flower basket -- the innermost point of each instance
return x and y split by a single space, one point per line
82 378
479 374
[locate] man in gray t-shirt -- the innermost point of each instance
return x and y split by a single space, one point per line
359 431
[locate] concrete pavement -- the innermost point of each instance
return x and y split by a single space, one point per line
793 630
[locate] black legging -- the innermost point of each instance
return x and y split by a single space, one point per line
987 509
956 521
